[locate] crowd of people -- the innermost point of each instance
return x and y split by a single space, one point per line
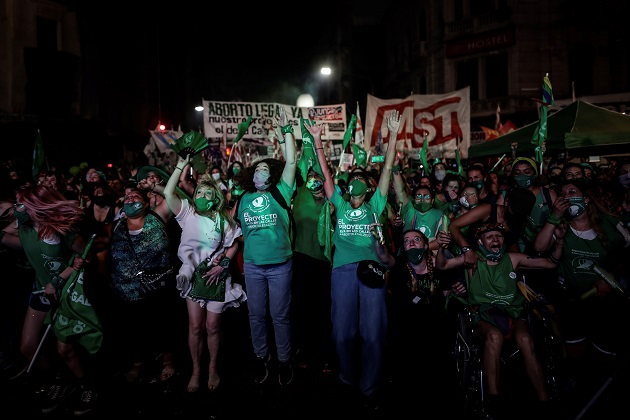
170 251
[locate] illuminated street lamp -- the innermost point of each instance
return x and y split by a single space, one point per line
305 100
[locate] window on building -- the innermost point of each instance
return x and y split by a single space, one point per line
46 34
468 75
496 75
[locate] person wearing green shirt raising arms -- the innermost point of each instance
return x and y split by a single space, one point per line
358 310
267 252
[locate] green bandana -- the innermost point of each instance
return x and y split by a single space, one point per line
357 188
423 207
492 256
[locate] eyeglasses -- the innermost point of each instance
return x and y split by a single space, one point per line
426 197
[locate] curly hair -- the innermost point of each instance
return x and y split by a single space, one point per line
245 178
207 181
50 210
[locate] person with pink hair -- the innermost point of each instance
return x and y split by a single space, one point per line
46 230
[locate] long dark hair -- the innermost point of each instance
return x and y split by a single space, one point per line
245 178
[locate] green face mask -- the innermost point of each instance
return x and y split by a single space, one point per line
477 184
357 188
524 181
133 209
423 206
577 207
414 255
490 255
203 204
236 170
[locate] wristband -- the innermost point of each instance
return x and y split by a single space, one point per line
181 169
280 141
319 148
465 249
225 262
553 259
57 281
287 129
396 168
552 219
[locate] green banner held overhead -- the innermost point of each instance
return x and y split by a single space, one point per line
308 158
360 155
350 131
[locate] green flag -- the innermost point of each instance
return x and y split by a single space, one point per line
75 320
540 134
350 131
308 159
423 156
460 167
38 155
360 155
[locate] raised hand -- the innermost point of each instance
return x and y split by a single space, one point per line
393 122
314 129
281 117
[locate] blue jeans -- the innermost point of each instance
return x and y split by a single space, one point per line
271 282
358 311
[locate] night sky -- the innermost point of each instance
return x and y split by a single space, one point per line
144 61
163 60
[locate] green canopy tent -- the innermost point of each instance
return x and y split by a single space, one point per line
580 128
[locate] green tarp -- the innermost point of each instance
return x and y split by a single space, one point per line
580 128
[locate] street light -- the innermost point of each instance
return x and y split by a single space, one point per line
199 108
305 100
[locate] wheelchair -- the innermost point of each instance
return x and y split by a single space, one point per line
468 355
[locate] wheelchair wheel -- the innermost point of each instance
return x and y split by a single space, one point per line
468 367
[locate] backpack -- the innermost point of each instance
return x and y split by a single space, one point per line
275 193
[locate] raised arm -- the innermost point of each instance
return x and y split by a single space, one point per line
172 199
393 125
316 132
288 151
544 238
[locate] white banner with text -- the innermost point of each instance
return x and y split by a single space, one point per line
224 117
443 119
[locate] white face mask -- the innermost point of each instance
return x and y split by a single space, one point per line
216 176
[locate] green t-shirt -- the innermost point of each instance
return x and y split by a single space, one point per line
306 213
48 258
428 223
578 252
353 240
265 225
